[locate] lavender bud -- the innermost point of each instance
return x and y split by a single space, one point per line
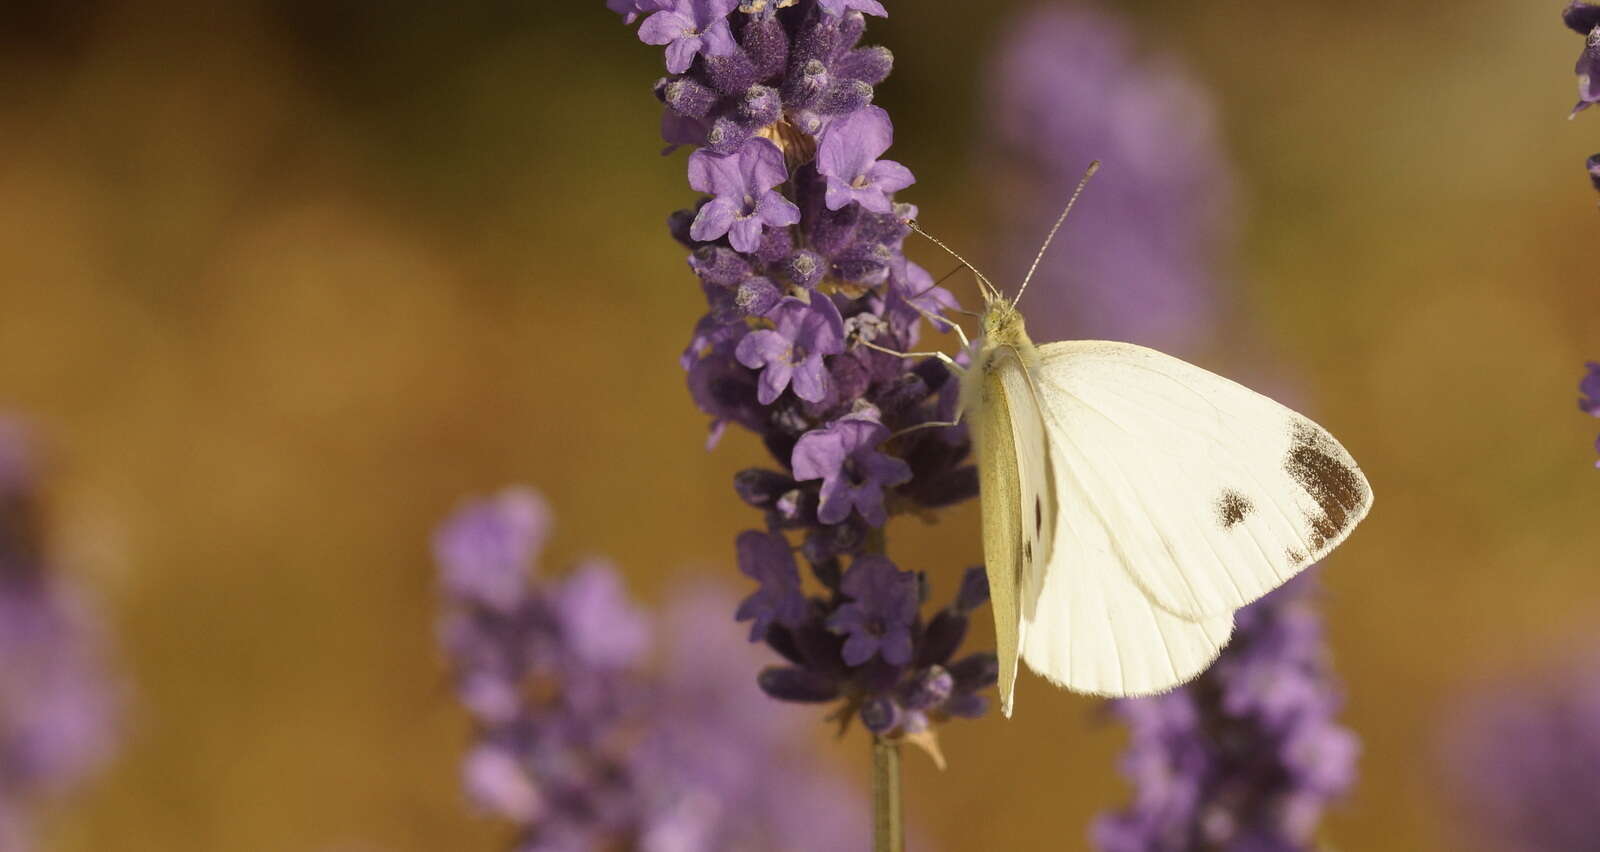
761 106
790 683
757 296
975 672
844 96
728 134
880 715
678 225
733 73
797 507
804 268
852 25
974 590
1594 170
767 44
942 637
817 39
688 96
776 245
761 488
720 266
870 65
948 488
928 688
805 87
888 229
867 265
781 639
820 648
834 540
969 705
806 121
877 675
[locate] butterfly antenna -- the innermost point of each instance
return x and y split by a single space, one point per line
1082 182
989 290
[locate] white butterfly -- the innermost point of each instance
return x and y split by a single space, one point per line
1132 502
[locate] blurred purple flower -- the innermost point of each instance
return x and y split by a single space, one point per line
1590 388
878 618
1584 19
743 202
845 456
1070 85
603 629
596 752
486 551
58 700
686 27
1523 760
1248 755
848 157
792 352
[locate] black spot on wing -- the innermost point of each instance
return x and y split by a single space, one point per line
1038 515
1338 490
1027 552
1232 507
1294 557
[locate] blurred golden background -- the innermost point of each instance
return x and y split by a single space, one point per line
285 280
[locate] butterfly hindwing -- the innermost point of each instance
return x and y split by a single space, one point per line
1204 494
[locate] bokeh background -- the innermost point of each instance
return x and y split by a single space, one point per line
281 281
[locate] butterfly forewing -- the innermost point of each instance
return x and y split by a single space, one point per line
1202 493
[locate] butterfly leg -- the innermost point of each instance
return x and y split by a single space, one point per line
948 361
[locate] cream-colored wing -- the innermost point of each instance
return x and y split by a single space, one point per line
1018 506
1203 493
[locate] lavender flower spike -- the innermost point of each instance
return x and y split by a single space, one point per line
743 203
1248 755
799 252
592 751
848 158
688 27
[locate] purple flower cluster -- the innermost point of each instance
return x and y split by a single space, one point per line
1523 761
57 700
1247 756
1070 85
578 745
1584 19
798 249
1589 403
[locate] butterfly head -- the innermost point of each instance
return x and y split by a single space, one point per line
1002 321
